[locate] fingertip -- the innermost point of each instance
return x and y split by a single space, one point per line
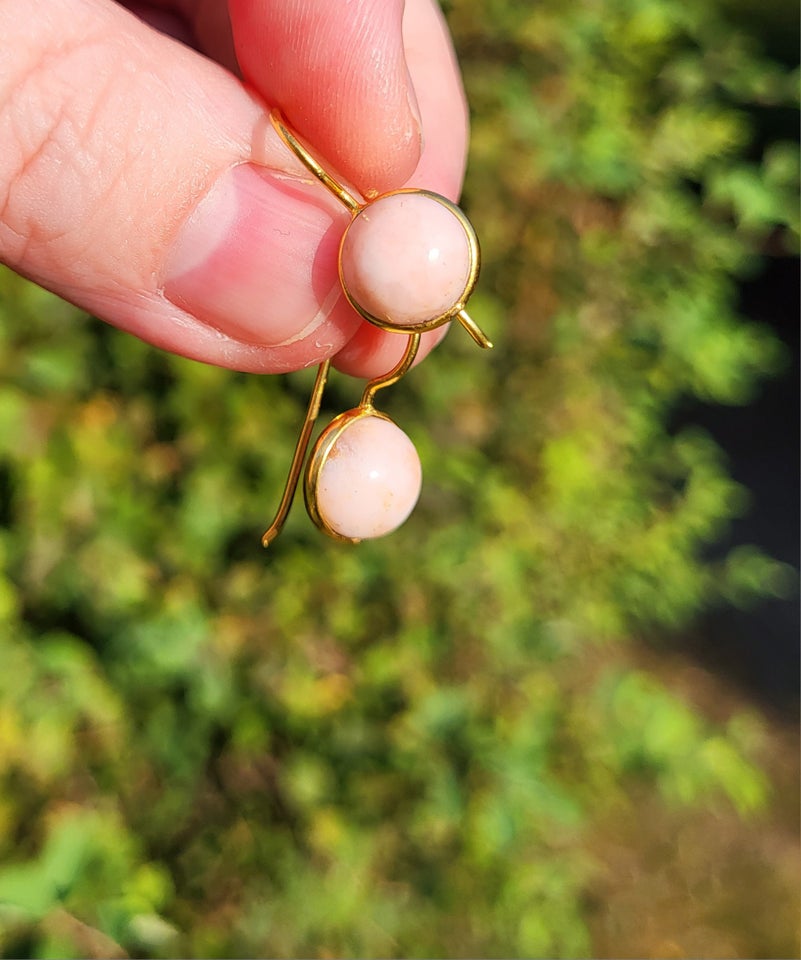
340 76
372 352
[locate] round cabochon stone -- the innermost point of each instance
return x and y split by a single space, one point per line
406 259
370 480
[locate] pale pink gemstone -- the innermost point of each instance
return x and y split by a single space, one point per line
370 480
406 259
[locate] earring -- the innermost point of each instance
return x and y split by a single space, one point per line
408 262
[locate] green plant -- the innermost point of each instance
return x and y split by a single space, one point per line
399 749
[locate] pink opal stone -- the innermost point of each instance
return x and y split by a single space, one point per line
406 259
370 480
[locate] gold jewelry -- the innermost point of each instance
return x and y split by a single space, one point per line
376 499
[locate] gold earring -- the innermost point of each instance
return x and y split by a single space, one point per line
408 262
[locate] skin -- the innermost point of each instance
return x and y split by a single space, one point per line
118 118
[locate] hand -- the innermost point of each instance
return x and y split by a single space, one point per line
141 179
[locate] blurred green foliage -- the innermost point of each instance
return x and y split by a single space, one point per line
398 749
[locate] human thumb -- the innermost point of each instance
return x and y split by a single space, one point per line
145 183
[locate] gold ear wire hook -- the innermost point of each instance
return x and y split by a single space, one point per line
301 447
477 334
312 165
394 374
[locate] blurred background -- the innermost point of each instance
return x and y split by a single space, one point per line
556 714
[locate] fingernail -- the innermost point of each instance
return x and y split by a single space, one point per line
257 259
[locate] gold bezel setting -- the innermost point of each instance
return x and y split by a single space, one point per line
317 460
474 254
